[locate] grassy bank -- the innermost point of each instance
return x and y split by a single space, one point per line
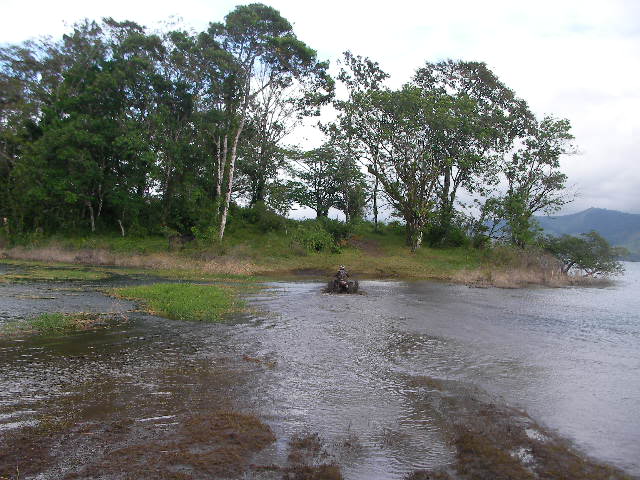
54 324
183 301
249 250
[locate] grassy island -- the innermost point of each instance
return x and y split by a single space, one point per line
183 301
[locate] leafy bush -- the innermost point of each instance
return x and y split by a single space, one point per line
205 235
394 227
313 237
339 230
437 236
264 218
589 252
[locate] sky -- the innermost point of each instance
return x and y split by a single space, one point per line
575 59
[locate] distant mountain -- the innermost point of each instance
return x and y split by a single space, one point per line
619 228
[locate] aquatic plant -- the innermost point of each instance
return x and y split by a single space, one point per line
53 324
183 301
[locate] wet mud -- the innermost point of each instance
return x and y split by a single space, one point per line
307 386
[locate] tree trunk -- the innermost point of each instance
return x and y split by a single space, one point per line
414 234
375 190
100 198
222 157
375 204
446 210
121 227
92 216
232 165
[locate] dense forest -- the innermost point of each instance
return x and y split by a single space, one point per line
118 128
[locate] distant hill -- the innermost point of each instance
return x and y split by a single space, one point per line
619 228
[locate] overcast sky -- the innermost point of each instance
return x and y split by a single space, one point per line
578 59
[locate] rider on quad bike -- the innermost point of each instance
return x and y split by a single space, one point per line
341 279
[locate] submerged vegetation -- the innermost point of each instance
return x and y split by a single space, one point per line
55 324
183 301
39 273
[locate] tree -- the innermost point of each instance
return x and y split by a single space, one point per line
352 189
359 75
533 177
263 46
401 130
273 114
318 180
487 119
589 252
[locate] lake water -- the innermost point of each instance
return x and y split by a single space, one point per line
569 357
342 365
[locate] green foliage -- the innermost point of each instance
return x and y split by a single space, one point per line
49 323
450 236
534 181
265 219
116 129
205 236
340 231
52 324
183 301
589 252
327 178
313 237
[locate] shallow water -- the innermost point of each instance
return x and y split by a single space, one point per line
569 357
341 365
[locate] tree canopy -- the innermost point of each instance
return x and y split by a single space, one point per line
116 128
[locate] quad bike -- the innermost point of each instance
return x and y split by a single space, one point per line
342 286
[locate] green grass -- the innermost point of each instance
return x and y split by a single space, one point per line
183 301
55 274
51 324
250 250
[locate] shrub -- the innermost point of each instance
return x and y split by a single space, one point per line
339 230
454 236
205 235
265 219
589 252
313 237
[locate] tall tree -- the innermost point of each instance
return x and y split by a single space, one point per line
532 179
318 180
489 117
263 46
402 130
360 75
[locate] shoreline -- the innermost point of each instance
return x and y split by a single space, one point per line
363 265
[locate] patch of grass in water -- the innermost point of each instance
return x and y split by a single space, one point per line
52 324
56 274
183 301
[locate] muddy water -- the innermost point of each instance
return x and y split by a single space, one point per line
337 365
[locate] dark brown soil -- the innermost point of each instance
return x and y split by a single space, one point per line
368 245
